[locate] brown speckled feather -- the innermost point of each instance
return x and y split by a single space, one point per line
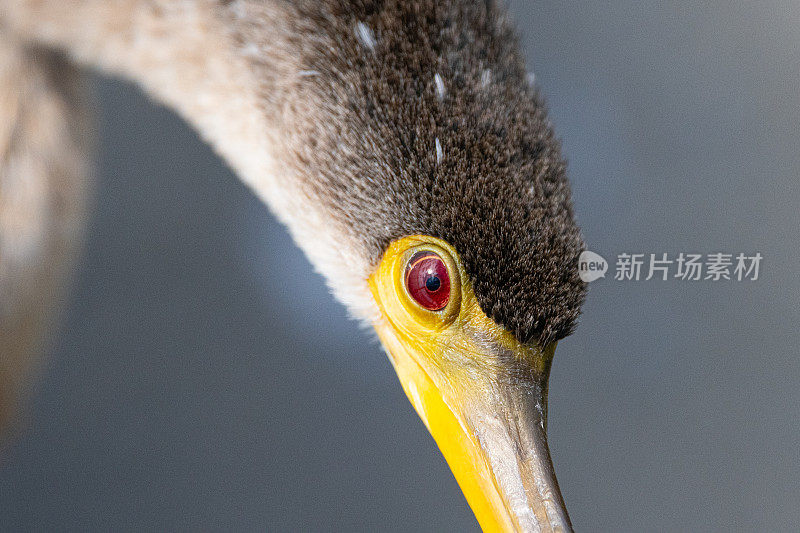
359 122
496 190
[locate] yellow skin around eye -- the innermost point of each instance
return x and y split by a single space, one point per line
448 326
449 361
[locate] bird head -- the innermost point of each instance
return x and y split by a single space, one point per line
405 147
480 391
420 173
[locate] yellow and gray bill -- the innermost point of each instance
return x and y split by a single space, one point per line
481 392
492 432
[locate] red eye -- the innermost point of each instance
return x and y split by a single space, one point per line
427 280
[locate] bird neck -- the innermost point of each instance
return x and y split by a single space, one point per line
232 71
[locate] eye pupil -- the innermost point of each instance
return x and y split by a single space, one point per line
428 281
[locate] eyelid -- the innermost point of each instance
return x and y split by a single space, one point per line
421 258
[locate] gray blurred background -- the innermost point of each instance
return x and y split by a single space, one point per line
203 379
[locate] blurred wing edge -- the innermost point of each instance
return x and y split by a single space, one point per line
44 184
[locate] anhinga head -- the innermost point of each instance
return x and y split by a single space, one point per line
428 188
481 391
411 158
404 147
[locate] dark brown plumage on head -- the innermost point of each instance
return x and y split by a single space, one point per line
361 123
430 126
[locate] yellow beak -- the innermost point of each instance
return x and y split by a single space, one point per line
481 393
492 434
